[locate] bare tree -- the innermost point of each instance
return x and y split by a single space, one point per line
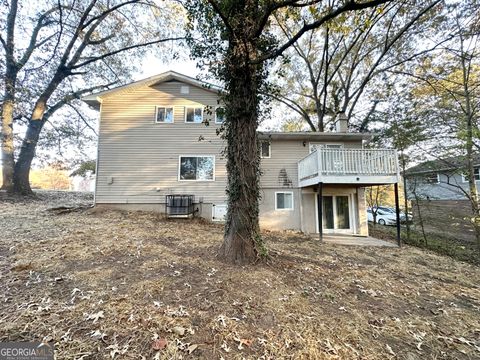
68 44
330 70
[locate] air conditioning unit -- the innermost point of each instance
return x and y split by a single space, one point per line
179 205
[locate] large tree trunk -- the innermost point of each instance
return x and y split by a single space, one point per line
11 71
8 161
242 242
27 153
21 176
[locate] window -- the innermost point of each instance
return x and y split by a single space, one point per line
194 114
313 146
431 178
164 114
476 175
265 149
219 115
283 201
197 168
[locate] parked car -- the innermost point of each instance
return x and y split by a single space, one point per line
388 216
403 217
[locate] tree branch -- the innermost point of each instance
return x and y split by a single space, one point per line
72 96
3 42
80 115
348 6
33 38
220 13
386 49
100 57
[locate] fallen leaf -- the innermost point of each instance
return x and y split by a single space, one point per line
192 348
390 351
247 342
329 347
96 316
179 330
159 344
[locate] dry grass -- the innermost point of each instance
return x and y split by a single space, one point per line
117 284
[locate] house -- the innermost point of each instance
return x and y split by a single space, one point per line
439 191
158 137
441 179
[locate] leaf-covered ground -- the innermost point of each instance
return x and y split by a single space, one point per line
129 285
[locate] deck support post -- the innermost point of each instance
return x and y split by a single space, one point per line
397 210
320 210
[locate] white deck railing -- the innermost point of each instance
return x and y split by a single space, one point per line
338 162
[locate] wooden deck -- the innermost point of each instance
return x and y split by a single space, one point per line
349 166
356 240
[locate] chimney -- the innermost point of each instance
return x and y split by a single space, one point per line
341 125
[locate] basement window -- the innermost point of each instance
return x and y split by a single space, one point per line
284 200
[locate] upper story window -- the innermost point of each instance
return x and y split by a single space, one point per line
196 168
219 115
432 178
284 200
194 114
314 146
265 149
476 175
164 114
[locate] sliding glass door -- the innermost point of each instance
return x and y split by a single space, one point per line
336 213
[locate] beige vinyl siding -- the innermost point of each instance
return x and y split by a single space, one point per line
142 156
138 159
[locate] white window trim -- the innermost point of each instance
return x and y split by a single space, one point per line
324 144
293 201
437 182
197 156
269 150
164 106
193 107
216 108
464 179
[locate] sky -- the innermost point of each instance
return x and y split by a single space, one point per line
153 66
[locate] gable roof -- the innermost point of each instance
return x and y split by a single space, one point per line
96 98
441 165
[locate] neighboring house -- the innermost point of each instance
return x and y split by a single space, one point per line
154 141
441 179
439 192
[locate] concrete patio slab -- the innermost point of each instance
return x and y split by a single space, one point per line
356 240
